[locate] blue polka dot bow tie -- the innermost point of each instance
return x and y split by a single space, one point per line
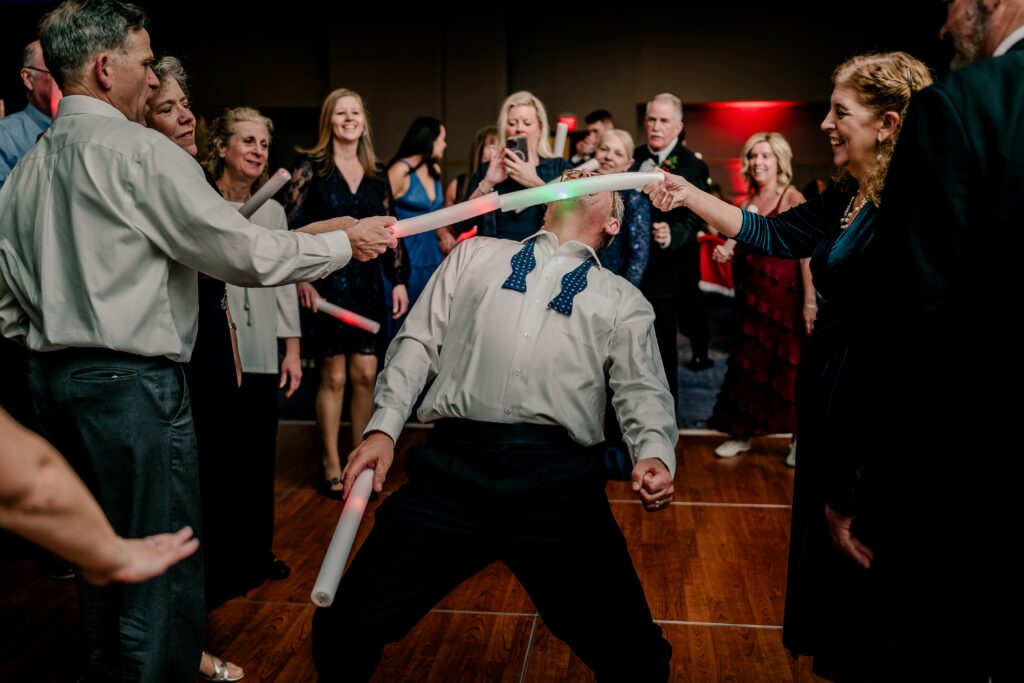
573 282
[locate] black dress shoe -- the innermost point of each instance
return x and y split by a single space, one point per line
278 570
698 363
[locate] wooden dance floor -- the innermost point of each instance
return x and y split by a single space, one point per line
713 566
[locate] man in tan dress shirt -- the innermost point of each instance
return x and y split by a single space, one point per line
518 341
103 225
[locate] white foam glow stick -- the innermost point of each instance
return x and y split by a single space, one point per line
514 201
561 131
590 165
341 543
448 216
567 189
269 189
347 316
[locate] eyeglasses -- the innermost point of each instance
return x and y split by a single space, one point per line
36 68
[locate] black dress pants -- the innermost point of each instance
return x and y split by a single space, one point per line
524 495
666 313
693 312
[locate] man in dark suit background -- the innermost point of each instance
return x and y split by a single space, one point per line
671 280
939 500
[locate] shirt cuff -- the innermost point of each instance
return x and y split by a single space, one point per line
387 420
339 248
651 450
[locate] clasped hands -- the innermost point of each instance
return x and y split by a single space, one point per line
369 237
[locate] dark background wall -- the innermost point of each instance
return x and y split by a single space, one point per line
460 66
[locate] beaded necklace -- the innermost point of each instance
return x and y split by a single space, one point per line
851 212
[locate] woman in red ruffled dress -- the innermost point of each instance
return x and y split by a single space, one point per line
775 303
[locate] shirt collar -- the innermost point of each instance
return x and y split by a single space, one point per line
1009 41
40 118
84 104
663 154
578 249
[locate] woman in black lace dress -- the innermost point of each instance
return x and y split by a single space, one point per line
340 176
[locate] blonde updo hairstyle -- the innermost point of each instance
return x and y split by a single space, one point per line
883 82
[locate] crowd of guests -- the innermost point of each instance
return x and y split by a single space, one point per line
807 359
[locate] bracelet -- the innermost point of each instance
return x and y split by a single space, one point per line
810 305
481 188
232 326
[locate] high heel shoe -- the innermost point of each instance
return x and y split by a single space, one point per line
329 485
221 670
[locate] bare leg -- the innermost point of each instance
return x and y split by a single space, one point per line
328 411
362 369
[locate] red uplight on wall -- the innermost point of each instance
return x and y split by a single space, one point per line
569 121
753 104
719 129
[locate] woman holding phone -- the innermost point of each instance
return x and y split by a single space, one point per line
525 160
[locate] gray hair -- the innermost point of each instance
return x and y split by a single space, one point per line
668 97
170 67
79 29
618 211
28 56
618 207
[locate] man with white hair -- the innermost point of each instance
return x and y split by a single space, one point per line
672 278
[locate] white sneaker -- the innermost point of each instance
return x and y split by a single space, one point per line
732 448
791 456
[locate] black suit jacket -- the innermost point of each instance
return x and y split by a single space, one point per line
671 269
945 391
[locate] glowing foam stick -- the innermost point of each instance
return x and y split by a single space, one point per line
466 235
448 216
269 189
515 201
568 189
591 165
341 543
561 131
348 317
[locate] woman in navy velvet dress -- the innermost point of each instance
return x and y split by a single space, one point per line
827 577
522 114
340 176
